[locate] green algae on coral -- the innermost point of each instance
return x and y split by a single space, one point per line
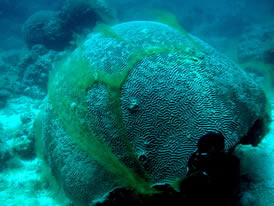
68 88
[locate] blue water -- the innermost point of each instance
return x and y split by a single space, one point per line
35 36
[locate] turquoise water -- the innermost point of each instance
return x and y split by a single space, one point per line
102 97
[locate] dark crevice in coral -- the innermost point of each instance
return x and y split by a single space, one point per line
213 179
255 133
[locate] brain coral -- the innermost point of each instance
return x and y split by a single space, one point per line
129 105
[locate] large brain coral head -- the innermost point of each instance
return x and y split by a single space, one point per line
137 99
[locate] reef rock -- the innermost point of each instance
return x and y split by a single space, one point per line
44 27
55 29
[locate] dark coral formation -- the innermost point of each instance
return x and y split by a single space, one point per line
45 27
25 72
78 14
35 67
33 70
213 179
55 29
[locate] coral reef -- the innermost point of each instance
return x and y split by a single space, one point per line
76 14
18 141
25 72
129 111
5 154
33 68
20 169
55 29
44 27
7 84
37 72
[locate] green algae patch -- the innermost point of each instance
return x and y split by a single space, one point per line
171 20
107 31
68 87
